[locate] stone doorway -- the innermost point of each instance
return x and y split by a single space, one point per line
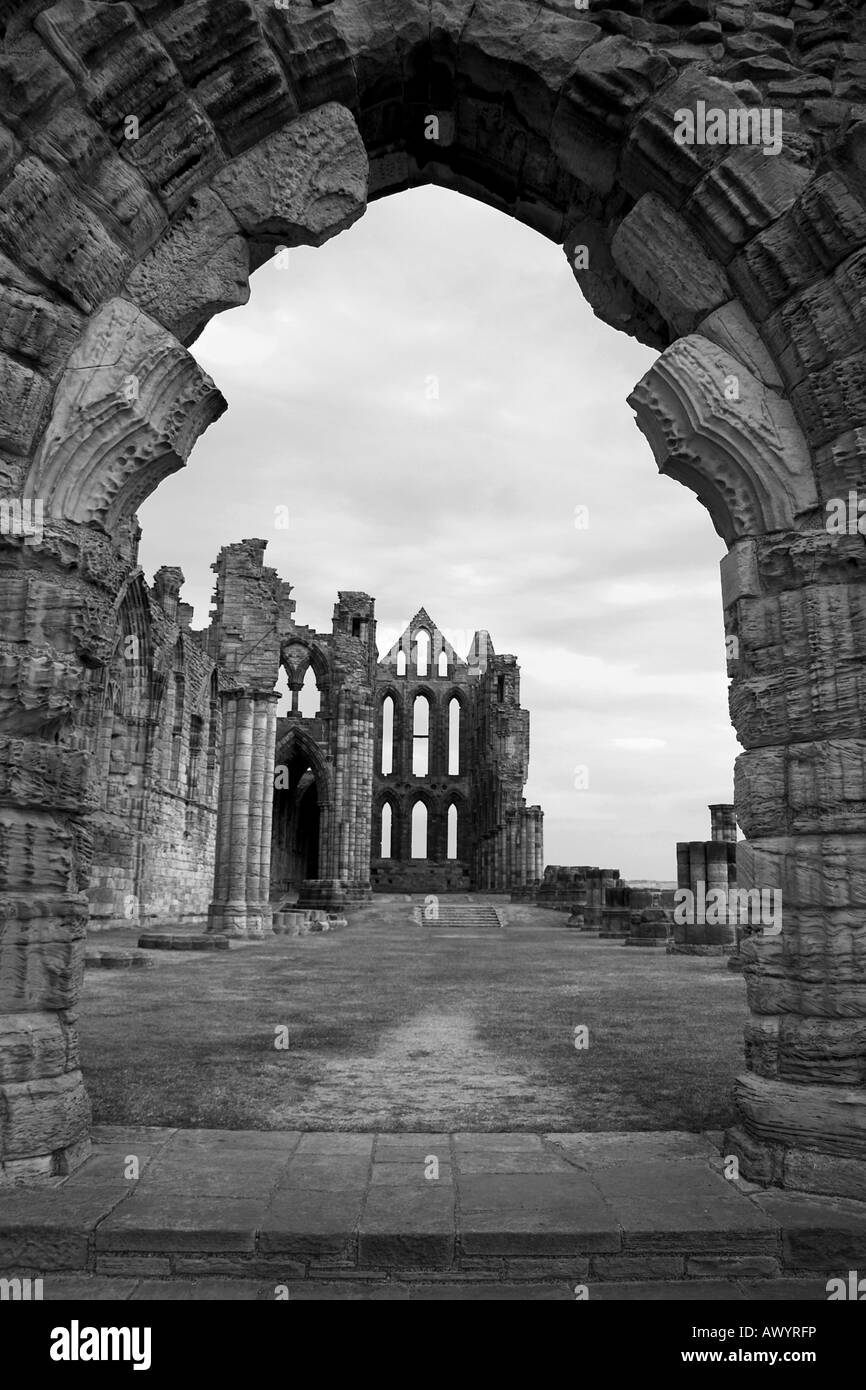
745 272
297 808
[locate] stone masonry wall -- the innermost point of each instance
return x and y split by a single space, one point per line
155 725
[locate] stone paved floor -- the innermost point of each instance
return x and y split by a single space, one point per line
163 1213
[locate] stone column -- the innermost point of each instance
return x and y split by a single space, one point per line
267 725
539 844
240 905
56 603
795 615
723 822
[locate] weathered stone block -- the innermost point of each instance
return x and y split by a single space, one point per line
52 232
302 185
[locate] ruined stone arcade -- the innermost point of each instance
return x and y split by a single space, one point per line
213 805
259 126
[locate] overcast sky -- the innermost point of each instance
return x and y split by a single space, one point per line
465 503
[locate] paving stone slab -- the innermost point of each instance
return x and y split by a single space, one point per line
534 1214
300 1221
128 1136
510 1161
319 1172
244 1140
602 1150
497 1143
109 1168
408 1226
406 1147
674 1205
51 1228
251 1204
820 1233
165 1221
409 1174
317 1143
253 1178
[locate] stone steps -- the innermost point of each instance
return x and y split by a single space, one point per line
463 915
282 1208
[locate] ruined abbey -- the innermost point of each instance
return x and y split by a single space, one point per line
152 156
408 777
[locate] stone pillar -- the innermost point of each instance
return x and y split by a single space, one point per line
240 905
56 602
539 844
268 735
795 607
723 822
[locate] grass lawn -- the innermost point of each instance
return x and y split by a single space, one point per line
396 1026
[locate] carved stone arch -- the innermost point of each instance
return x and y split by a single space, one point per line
383 691
256 131
297 739
315 658
429 693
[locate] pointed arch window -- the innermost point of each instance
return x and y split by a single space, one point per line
387 735
451 852
421 736
443 664
401 662
387 830
422 652
419 830
453 737
309 700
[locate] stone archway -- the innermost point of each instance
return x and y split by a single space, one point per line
155 154
302 802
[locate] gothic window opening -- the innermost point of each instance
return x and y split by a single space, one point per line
443 664
421 736
387 829
401 662
387 736
419 830
283 689
451 852
310 700
422 652
453 737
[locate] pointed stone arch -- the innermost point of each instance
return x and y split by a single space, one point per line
271 129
